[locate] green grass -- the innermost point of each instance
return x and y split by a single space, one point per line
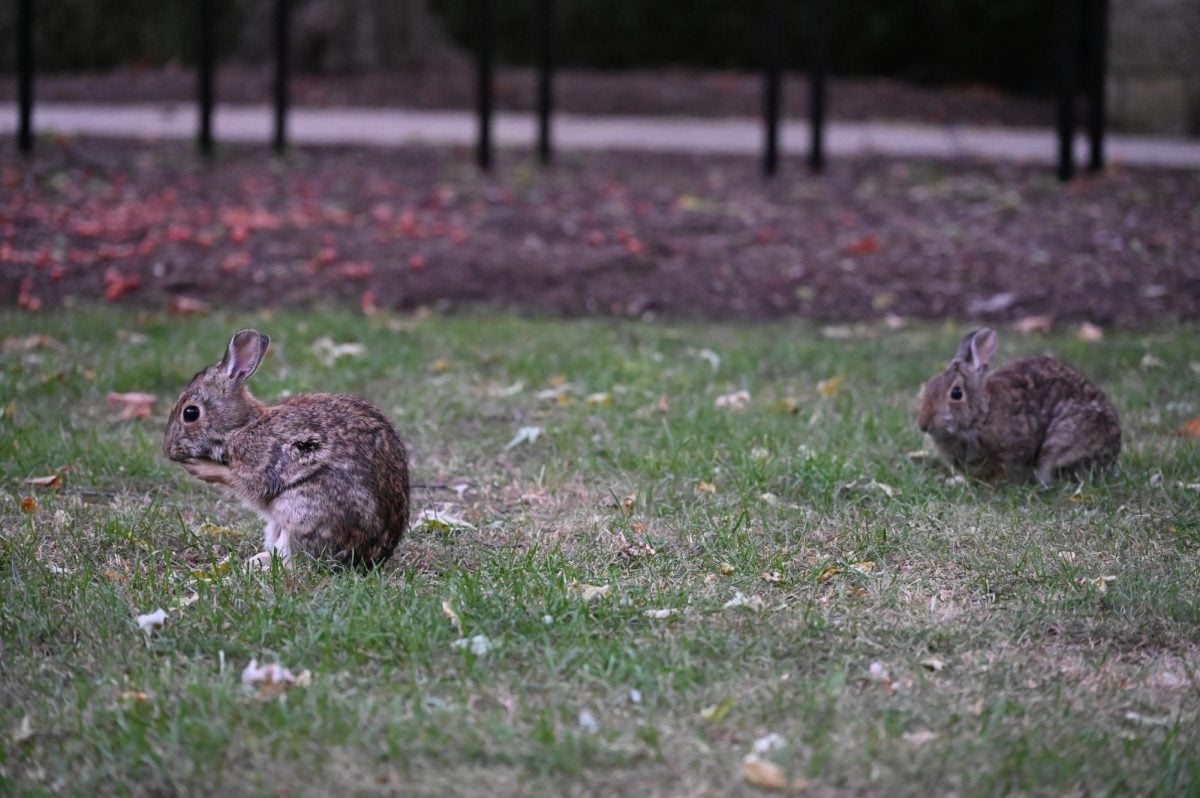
1012 665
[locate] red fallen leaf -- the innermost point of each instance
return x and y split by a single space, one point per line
29 504
635 245
765 235
356 270
117 285
417 263
866 245
26 299
1191 428
179 234
327 255
133 405
57 273
188 306
237 234
235 261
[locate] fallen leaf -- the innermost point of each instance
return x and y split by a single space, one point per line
829 388
738 400
133 405
1034 324
866 245
1191 428
438 521
934 664
628 504
117 285
33 342
715 713
24 730
763 773
829 573
590 592
29 504
768 743
864 567
216 531
136 696
660 614
753 602
53 481
1099 583
152 620
601 399
920 737
329 352
786 405
524 435
771 577
273 679
1089 333
706 487
452 616
1149 361
726 569
188 306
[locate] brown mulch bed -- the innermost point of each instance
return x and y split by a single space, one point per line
451 84
627 234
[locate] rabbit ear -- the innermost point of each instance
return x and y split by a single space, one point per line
977 348
246 351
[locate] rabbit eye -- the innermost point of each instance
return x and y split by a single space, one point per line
191 413
956 393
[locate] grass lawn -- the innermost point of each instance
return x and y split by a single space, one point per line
901 632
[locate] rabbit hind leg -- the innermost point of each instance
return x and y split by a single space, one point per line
1078 438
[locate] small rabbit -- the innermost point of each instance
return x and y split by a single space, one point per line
327 472
1034 415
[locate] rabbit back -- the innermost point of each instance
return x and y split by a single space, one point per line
330 469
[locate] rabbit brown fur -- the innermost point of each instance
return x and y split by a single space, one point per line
1036 415
327 472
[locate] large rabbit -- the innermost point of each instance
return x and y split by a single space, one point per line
1036 415
327 472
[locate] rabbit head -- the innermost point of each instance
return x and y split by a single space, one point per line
216 403
956 401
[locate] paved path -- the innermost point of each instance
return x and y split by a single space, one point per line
575 132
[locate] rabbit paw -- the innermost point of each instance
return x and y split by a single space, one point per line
260 561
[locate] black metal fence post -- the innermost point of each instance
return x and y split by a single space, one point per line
545 94
772 81
1097 37
819 31
282 29
484 89
204 75
25 75
1066 40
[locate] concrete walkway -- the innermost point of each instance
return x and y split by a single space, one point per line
393 128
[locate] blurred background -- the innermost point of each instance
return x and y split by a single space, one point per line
970 61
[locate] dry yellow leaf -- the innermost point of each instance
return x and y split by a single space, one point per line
628 504
52 481
590 592
830 387
829 573
557 381
439 365
763 773
706 487
715 713
726 569
1034 324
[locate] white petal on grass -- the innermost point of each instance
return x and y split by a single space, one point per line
479 645
152 620
635 696
524 435
24 730
329 352
919 737
659 614
273 674
738 400
587 722
768 743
